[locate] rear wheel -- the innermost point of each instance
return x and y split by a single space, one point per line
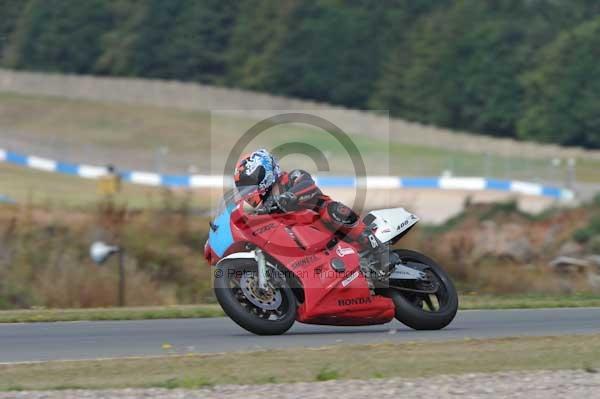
424 305
264 312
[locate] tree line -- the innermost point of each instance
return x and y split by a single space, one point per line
526 69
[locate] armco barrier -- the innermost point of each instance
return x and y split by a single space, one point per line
372 182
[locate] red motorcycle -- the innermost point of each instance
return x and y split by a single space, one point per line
273 268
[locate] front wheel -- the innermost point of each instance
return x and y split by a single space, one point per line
263 312
424 305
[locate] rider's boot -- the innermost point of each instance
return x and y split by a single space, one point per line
346 221
387 258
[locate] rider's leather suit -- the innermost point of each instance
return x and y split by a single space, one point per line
300 186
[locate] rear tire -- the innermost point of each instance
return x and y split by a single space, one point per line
242 311
408 313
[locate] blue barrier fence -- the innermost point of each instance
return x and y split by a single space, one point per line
371 182
6 199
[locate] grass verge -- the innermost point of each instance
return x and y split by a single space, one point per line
467 302
133 313
294 365
534 301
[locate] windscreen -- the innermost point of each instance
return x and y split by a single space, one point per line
230 199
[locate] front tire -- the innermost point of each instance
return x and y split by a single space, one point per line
236 291
411 307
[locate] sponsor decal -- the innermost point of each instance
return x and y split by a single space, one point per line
349 279
306 197
294 237
373 241
307 260
404 224
403 272
354 301
344 251
264 229
407 222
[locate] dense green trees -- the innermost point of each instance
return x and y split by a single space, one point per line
9 12
59 35
562 101
175 39
512 68
459 67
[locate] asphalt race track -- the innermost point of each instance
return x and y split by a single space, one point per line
102 339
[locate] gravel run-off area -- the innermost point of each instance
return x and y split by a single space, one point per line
574 384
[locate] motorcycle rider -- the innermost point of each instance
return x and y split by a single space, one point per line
261 183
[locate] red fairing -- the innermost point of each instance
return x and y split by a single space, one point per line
331 297
209 255
299 241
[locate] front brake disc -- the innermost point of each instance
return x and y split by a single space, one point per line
269 300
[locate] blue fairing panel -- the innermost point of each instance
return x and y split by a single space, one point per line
221 239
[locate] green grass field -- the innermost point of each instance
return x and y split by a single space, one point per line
129 135
385 360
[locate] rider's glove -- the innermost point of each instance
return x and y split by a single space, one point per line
287 201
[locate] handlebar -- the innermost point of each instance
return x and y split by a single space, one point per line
268 208
281 204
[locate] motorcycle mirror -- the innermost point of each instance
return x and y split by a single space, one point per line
100 251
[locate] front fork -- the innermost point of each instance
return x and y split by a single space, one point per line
262 268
